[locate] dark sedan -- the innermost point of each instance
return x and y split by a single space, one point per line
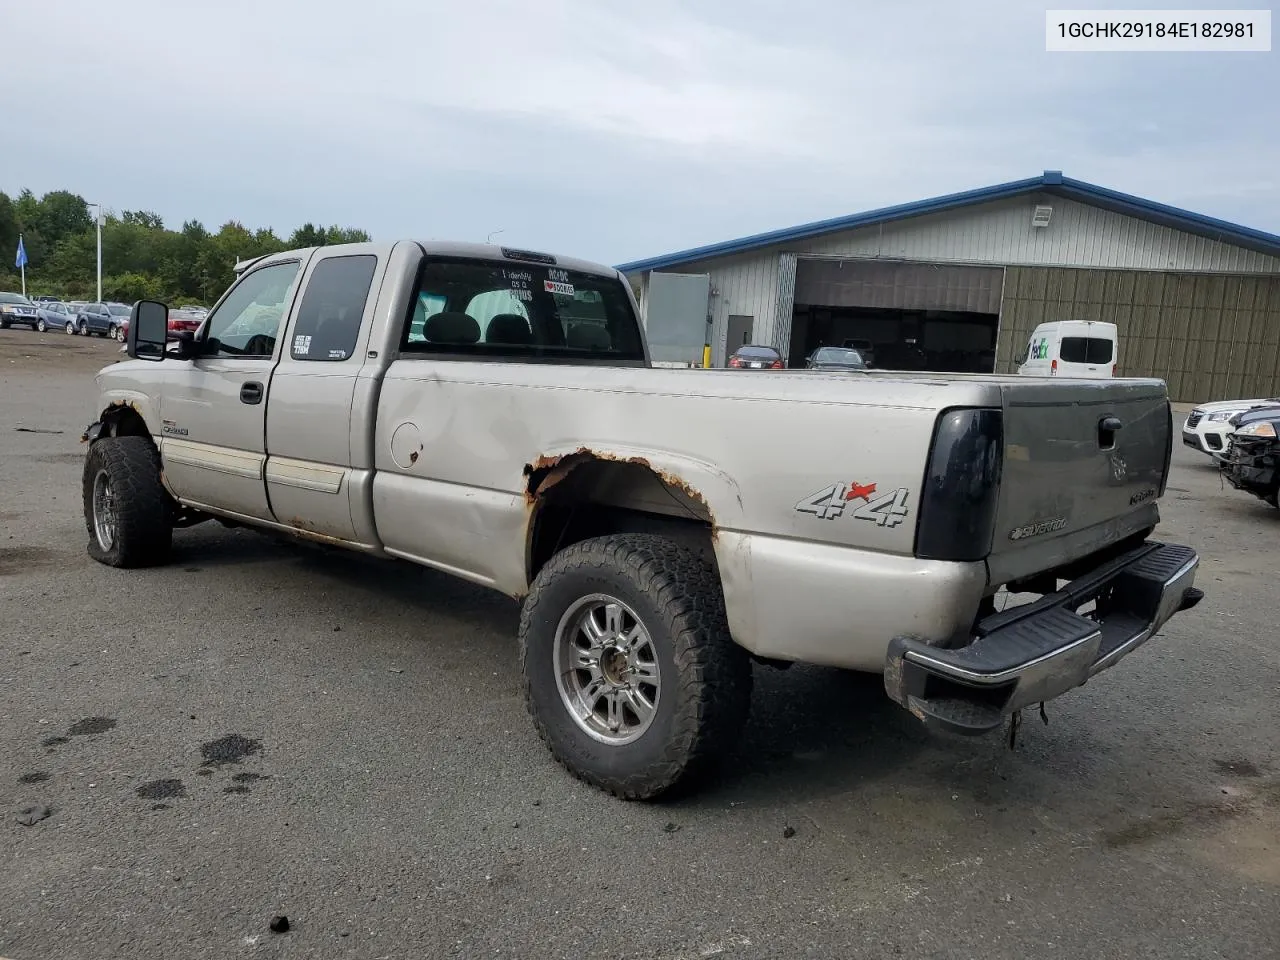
835 358
104 319
15 308
1251 461
754 357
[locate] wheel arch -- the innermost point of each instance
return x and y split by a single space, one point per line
128 416
588 492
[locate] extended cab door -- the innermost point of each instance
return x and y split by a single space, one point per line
316 481
214 407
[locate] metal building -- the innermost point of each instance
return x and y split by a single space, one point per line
959 282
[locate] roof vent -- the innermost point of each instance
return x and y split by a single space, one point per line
1040 216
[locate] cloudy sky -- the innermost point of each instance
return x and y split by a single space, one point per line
605 129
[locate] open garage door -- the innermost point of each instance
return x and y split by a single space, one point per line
908 315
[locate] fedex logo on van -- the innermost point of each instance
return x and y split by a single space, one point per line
1039 349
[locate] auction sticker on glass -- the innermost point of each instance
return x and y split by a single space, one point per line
1158 31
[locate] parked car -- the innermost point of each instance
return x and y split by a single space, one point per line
183 319
15 308
866 349
755 357
104 319
656 545
1208 426
46 298
1070 348
55 315
835 358
1251 461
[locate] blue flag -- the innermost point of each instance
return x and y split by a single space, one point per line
21 260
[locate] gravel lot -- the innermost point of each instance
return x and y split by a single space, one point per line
265 728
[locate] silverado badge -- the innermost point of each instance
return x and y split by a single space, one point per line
1037 529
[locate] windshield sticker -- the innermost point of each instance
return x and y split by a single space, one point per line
520 281
337 354
302 344
556 286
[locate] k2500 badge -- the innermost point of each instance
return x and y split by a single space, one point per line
888 510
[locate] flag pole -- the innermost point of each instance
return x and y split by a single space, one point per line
24 268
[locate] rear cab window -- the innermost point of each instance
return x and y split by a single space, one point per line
483 309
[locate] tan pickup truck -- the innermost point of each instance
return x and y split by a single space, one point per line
493 413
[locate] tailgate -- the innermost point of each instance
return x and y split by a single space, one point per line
1084 463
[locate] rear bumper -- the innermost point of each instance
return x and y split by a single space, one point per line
1039 651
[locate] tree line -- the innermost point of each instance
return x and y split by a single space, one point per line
141 258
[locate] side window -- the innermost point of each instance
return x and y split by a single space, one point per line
332 306
247 322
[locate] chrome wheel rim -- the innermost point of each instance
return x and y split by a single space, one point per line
607 670
40 326
104 511
71 329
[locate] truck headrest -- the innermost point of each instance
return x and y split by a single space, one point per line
589 336
508 328
452 328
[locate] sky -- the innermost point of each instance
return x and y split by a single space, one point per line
602 129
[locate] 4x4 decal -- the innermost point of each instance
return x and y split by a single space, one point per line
830 502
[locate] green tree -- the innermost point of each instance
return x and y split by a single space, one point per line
8 231
307 235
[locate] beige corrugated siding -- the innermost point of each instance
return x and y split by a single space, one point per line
1210 337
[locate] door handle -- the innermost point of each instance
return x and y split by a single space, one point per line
251 392
1107 429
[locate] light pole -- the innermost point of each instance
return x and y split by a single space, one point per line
99 225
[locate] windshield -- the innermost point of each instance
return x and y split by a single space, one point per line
760 353
119 309
837 355
521 311
13 298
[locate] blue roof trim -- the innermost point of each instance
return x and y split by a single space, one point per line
1051 181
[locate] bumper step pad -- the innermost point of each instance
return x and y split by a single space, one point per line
1038 651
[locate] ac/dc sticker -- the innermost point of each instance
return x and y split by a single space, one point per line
886 510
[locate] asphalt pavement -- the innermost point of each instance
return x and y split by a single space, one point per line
265 728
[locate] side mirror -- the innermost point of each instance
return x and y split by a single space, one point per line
148 330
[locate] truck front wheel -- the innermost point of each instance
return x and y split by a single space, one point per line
629 671
127 511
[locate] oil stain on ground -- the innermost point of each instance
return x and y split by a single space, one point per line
161 790
229 749
91 726
35 776
14 560
54 741
1238 767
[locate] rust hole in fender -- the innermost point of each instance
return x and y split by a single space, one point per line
546 472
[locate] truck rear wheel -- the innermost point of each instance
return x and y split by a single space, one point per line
127 511
629 671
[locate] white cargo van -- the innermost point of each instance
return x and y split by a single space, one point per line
1070 348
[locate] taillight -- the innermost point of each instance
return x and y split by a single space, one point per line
776 365
735 362
1053 369
957 513
1114 368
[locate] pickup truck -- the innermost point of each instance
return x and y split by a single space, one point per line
493 413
